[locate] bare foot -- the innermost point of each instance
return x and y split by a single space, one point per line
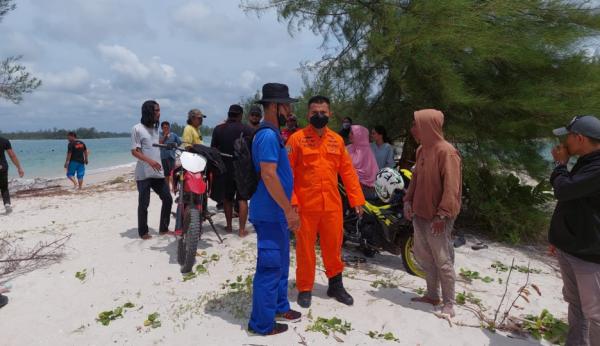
146 236
426 300
228 229
243 233
4 290
166 233
448 309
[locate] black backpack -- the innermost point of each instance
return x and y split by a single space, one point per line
246 178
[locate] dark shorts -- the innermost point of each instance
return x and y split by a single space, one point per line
168 165
224 187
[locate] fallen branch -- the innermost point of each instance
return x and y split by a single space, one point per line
13 259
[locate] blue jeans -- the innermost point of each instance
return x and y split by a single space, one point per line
270 286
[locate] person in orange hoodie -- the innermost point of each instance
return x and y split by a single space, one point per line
317 156
433 202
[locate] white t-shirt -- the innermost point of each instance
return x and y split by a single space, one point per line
143 137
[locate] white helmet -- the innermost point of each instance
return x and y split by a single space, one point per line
387 182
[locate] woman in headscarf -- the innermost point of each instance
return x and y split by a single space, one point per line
363 159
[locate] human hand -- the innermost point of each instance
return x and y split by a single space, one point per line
21 172
155 165
359 210
438 225
293 220
86 162
408 212
561 154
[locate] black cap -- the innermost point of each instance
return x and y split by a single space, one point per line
276 93
255 110
587 125
235 110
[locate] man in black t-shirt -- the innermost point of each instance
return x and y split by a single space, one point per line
77 158
224 185
6 146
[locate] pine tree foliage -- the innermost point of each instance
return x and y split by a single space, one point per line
14 78
504 72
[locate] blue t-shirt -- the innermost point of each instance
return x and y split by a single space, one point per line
169 153
267 146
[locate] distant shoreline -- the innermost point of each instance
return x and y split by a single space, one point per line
12 138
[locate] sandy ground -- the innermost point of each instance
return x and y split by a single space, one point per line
50 306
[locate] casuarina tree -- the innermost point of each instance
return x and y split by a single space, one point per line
14 78
504 72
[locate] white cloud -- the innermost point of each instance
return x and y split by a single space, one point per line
249 80
191 14
74 79
127 63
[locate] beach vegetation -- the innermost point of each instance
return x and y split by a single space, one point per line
546 326
105 317
329 326
389 336
81 275
471 275
152 320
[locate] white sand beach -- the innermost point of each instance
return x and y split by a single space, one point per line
50 306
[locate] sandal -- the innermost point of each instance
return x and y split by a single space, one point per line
479 246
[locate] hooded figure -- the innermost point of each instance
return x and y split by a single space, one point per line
362 156
148 117
433 203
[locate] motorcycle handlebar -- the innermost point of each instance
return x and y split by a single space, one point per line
174 146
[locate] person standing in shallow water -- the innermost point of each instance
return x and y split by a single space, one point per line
148 170
433 202
77 158
5 146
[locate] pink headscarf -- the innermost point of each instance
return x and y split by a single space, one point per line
363 159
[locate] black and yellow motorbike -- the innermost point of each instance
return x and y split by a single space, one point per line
382 228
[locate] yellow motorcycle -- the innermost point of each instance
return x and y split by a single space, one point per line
383 226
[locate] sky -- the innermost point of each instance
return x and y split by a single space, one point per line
100 60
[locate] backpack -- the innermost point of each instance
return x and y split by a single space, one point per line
245 176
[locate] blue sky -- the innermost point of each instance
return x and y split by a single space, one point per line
99 60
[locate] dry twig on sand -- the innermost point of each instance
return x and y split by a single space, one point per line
14 259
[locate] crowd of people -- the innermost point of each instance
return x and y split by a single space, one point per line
299 171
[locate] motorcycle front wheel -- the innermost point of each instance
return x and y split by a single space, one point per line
188 244
408 257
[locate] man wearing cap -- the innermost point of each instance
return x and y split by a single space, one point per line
317 156
222 138
575 227
273 217
291 126
191 133
254 117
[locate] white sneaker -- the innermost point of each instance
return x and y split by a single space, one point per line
8 209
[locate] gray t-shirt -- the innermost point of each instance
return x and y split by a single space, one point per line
384 155
143 137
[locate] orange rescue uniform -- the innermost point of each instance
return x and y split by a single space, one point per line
316 163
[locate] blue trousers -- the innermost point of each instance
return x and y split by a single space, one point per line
270 286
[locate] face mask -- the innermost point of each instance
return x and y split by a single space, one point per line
346 126
281 119
319 120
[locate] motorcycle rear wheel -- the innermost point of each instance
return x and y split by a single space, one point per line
188 246
408 257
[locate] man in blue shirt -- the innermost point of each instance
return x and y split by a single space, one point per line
167 156
273 216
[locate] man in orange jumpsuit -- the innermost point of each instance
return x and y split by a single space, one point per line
317 156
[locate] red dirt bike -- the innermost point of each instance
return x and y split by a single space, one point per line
192 180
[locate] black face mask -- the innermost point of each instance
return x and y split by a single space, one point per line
319 120
281 119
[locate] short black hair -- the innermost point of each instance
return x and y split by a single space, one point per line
318 99
348 118
594 141
383 132
72 134
165 123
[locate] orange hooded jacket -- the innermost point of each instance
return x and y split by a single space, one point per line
436 186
